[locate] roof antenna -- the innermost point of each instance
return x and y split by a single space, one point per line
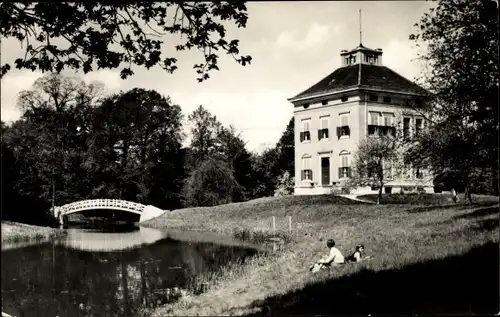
360 35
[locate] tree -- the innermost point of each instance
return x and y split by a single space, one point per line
233 151
462 55
135 148
212 183
377 161
266 173
286 148
204 135
52 134
126 33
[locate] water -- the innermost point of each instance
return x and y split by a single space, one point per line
99 273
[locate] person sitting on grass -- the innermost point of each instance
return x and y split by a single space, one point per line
334 258
358 254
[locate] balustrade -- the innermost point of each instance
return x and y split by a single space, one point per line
102 203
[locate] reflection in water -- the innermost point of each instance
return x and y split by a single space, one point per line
92 273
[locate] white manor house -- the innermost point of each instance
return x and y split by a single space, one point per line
360 99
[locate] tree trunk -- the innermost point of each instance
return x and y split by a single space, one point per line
468 194
455 195
379 197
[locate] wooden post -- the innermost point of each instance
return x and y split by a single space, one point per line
274 225
290 224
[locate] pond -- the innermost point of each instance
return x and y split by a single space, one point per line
110 272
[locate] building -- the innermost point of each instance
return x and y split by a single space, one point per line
357 100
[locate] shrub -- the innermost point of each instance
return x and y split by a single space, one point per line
285 185
210 184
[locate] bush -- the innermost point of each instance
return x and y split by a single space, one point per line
210 184
285 185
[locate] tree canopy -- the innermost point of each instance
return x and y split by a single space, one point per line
462 55
93 35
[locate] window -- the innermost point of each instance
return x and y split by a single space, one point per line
406 128
387 99
419 174
388 119
388 128
305 134
418 125
373 98
406 172
367 58
343 129
354 59
374 118
344 170
344 99
324 102
375 60
306 173
323 131
347 60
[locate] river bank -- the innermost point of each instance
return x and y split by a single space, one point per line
398 235
14 232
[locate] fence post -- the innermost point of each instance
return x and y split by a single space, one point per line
290 224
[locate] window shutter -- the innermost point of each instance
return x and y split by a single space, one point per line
301 136
302 175
326 133
311 172
349 172
338 131
340 172
319 134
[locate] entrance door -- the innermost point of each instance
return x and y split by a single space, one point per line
325 171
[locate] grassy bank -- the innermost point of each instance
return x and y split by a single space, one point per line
13 232
429 241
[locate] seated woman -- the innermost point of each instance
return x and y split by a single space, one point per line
358 254
334 258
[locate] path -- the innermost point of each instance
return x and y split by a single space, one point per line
354 197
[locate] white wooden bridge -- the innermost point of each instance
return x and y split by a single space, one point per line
146 212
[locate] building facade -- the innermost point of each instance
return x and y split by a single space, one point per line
360 99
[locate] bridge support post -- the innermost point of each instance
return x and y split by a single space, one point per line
63 220
150 212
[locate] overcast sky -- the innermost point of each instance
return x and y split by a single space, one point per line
293 45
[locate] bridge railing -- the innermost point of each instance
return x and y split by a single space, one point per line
106 203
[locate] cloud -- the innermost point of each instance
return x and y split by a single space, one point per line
111 79
401 56
11 85
316 35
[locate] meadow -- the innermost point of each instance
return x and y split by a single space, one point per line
14 232
430 256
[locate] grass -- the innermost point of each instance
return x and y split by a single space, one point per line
430 240
14 232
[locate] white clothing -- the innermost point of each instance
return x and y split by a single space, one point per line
335 256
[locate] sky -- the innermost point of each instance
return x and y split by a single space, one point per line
293 45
